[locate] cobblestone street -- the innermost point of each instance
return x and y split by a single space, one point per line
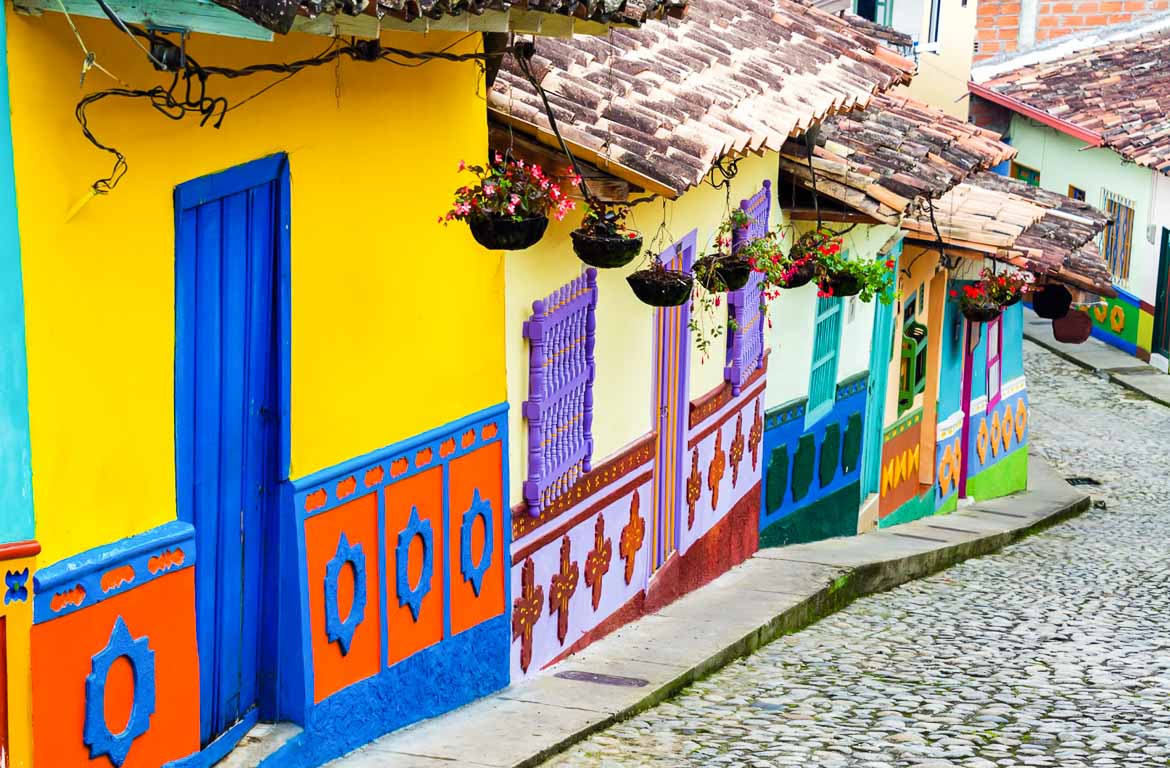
1054 652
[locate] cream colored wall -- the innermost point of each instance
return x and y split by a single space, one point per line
793 315
623 387
943 72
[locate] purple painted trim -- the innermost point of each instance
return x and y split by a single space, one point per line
745 348
559 408
969 342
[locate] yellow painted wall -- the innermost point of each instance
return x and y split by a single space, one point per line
623 386
943 73
396 321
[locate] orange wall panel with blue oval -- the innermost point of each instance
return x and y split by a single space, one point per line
414 589
115 668
342 558
477 537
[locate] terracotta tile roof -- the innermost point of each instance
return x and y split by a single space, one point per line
659 105
887 158
280 15
1118 92
1043 232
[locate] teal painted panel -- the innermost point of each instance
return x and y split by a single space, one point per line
16 504
192 15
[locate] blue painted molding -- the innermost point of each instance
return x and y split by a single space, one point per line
406 594
97 735
474 572
86 569
16 516
785 413
340 630
384 458
1127 296
1114 340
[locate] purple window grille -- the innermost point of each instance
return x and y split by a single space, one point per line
559 408
745 344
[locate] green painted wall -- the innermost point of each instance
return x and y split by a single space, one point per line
917 507
1006 476
1061 162
833 515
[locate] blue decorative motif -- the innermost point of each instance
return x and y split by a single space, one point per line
337 629
97 735
17 583
474 572
407 595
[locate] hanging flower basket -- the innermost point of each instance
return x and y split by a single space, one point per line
503 233
508 209
1052 301
721 272
840 284
606 251
799 274
1006 288
1073 328
1013 301
979 313
661 287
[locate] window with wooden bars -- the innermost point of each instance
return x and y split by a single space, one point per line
1117 240
559 408
1025 174
822 385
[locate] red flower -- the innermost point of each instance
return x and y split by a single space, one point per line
954 294
889 263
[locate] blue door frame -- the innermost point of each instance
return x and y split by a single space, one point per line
231 426
881 348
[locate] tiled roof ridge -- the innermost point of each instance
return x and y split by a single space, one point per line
660 104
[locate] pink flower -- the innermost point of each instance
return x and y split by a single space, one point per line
512 208
462 165
515 199
489 189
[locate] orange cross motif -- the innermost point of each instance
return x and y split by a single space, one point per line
632 536
597 561
564 584
525 611
715 469
737 449
694 488
756 435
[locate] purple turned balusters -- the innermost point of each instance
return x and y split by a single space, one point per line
745 347
559 408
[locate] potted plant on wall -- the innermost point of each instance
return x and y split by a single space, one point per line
725 269
508 208
603 240
976 302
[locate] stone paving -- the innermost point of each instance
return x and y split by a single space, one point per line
1053 652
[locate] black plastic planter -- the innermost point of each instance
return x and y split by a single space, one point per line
841 284
507 234
661 287
722 273
802 276
605 251
1073 328
1013 301
1052 301
980 313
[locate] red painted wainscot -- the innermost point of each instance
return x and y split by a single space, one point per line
583 569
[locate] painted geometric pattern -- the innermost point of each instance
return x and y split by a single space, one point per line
97 734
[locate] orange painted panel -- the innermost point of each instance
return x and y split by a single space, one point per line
333 670
424 492
162 610
482 471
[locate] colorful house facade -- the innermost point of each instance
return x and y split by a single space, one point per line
1110 155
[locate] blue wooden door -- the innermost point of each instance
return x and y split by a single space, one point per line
226 425
881 348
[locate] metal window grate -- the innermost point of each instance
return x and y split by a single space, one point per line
745 344
1117 240
559 408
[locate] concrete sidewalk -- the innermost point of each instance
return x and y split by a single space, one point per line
1099 357
778 591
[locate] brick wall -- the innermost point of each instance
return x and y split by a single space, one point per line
998 21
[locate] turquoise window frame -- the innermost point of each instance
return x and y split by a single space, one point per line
822 376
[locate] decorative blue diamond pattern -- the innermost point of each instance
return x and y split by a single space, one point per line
406 594
337 629
96 733
474 572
